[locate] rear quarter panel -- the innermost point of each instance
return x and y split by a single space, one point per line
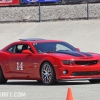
4 58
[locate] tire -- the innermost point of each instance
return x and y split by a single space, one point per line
48 74
2 78
95 81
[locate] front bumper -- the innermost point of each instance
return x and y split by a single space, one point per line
78 72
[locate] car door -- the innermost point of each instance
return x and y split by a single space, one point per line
20 64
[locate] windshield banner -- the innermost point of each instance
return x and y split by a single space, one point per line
9 2
32 1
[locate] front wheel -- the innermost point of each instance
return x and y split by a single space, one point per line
95 81
2 78
48 74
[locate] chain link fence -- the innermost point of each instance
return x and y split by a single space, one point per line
80 1
73 9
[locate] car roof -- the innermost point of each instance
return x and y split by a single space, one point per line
32 40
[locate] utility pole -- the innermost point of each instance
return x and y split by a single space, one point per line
39 11
87 10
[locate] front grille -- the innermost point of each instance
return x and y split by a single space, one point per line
86 73
86 62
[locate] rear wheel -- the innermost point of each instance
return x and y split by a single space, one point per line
2 78
48 74
95 81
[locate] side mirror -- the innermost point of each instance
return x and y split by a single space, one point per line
78 49
27 52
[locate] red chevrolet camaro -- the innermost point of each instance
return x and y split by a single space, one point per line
47 61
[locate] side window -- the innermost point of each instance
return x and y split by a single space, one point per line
11 49
18 48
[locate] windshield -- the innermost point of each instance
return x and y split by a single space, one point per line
53 47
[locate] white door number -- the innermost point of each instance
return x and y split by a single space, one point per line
19 66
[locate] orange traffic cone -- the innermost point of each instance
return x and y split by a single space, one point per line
69 95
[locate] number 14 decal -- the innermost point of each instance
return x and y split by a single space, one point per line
19 66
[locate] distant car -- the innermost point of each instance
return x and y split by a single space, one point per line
47 61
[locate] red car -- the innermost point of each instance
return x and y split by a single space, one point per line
47 61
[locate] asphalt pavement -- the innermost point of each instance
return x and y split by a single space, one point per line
32 90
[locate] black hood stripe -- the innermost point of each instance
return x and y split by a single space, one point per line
76 53
86 54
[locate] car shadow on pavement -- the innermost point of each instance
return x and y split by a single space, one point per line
35 83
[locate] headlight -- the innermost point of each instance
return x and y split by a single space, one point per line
68 62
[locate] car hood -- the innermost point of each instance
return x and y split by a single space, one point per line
76 54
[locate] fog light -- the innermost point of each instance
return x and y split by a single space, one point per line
65 72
